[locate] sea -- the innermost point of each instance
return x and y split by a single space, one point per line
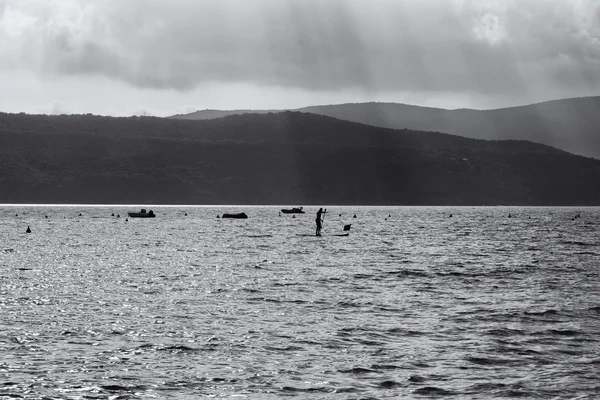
416 302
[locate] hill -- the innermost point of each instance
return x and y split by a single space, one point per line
213 114
282 158
570 124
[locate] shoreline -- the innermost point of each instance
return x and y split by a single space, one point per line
138 205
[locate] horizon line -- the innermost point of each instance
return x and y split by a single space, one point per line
299 109
280 205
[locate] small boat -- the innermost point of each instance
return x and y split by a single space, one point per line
142 214
295 210
235 216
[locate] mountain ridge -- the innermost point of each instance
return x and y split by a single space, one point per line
568 124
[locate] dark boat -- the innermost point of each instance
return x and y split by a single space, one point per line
236 216
142 214
295 210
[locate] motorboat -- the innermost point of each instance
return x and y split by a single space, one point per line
235 216
295 210
142 214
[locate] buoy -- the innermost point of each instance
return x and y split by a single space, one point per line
186 214
218 216
126 219
112 215
450 215
28 229
509 216
118 215
354 215
80 214
347 227
46 216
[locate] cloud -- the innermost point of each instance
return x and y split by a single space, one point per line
494 47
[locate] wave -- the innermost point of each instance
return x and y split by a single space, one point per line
578 243
265 299
562 332
409 273
308 390
594 309
505 332
389 384
357 370
385 367
433 391
284 349
169 348
120 388
493 361
406 332
542 313
363 276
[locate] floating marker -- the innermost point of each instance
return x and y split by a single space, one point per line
28 229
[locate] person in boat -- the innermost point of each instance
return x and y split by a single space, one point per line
319 221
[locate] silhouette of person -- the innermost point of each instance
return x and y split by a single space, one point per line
319 221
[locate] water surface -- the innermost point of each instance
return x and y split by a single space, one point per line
413 303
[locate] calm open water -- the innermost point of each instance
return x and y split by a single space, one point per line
419 305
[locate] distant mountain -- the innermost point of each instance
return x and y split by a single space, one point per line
212 114
276 158
572 125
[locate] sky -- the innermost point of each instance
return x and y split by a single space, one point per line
162 57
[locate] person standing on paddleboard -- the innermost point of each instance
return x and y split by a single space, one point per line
319 221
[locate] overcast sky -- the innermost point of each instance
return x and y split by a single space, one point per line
160 57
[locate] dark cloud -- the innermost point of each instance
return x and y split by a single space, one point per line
490 47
